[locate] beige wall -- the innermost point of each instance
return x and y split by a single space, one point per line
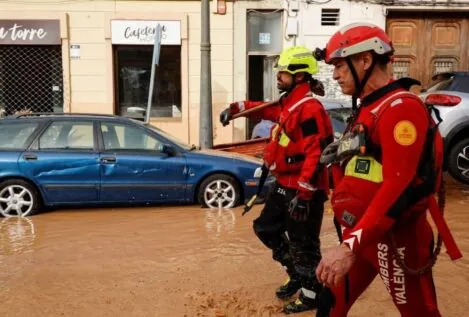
89 81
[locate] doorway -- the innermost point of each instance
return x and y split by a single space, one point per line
262 83
428 43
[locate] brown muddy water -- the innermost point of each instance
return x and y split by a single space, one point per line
175 261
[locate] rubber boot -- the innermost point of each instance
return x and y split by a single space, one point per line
289 288
301 304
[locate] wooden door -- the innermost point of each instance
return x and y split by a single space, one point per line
426 44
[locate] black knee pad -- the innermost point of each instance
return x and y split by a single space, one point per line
281 255
309 257
263 235
308 277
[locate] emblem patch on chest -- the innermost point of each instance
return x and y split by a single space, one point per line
362 166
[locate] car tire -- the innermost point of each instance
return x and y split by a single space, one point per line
219 191
458 161
18 198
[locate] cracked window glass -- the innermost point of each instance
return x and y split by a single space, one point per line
14 136
125 137
68 136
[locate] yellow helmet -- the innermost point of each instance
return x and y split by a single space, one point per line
297 59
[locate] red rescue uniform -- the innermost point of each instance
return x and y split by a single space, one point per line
373 202
302 130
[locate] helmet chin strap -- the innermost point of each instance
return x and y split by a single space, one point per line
359 85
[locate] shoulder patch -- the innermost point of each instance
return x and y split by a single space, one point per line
309 127
405 133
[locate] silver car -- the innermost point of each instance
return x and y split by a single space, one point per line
450 95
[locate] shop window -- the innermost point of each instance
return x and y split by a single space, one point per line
264 31
133 70
401 68
443 65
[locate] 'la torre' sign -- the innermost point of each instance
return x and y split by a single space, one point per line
139 32
30 32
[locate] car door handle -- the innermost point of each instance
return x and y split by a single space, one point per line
109 159
30 157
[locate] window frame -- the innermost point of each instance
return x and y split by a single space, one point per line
29 140
128 151
35 146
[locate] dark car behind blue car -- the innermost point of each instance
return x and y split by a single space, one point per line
97 159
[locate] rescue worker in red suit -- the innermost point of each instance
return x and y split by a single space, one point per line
385 187
296 203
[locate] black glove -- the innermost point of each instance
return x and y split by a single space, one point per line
326 302
225 117
299 209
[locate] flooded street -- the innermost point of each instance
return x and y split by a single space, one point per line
176 261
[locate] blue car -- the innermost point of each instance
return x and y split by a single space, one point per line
65 159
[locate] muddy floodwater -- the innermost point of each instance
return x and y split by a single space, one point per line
176 261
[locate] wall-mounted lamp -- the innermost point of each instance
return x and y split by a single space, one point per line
221 7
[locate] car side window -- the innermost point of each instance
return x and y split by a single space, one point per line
339 119
15 135
126 137
68 136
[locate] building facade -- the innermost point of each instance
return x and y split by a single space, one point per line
429 37
95 56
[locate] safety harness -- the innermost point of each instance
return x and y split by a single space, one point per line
414 193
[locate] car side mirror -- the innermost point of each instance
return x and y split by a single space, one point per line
167 149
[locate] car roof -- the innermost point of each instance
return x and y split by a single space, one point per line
450 74
330 104
46 116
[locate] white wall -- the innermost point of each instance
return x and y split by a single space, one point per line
312 34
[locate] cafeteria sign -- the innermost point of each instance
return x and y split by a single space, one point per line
139 32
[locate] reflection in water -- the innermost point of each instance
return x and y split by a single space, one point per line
17 235
218 220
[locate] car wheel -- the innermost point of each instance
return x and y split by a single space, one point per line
458 161
219 191
18 198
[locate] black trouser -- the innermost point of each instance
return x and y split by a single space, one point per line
301 252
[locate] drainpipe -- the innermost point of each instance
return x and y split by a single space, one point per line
206 130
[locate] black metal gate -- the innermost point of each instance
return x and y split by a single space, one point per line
31 78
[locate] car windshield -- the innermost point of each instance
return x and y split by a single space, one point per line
171 138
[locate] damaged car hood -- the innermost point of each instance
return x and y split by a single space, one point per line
229 155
